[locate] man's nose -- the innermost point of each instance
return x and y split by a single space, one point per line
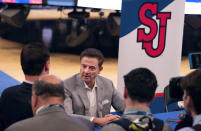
86 70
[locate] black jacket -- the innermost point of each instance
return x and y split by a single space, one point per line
15 104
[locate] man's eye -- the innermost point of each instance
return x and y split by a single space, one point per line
92 68
84 66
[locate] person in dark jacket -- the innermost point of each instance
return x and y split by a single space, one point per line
15 102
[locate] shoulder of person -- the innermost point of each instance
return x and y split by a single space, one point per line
19 126
10 90
186 129
84 122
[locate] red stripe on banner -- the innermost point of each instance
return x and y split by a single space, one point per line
158 95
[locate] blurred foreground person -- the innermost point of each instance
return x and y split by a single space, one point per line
47 105
139 91
191 85
15 102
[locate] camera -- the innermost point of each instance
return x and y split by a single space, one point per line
175 89
195 60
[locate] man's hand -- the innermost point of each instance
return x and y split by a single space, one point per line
105 120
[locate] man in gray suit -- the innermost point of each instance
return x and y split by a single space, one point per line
47 105
89 95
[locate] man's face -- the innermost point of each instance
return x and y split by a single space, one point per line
89 69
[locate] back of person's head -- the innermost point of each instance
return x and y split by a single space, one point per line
94 53
33 58
192 85
141 85
49 86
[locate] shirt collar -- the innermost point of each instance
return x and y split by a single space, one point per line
39 109
48 106
136 109
86 86
26 81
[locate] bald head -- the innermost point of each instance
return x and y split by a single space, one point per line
51 79
49 86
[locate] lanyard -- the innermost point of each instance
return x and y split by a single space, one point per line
49 106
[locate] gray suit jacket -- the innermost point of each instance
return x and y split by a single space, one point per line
50 119
77 102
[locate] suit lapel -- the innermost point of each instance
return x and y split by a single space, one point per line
83 94
99 96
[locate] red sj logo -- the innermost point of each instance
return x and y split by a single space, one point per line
147 38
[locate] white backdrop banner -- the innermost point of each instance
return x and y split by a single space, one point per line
151 35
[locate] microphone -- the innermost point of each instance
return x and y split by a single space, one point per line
182 116
174 120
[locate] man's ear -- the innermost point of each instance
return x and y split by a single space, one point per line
189 101
34 102
100 69
47 66
125 93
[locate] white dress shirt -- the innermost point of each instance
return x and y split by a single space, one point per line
91 94
26 81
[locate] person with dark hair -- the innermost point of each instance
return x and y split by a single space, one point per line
139 91
89 95
191 97
47 106
35 60
15 102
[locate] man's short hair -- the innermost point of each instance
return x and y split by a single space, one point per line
191 84
141 84
46 90
33 58
94 53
